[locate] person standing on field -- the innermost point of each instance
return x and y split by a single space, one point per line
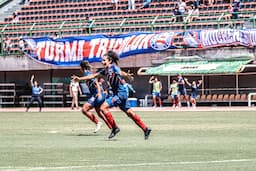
156 92
37 91
74 88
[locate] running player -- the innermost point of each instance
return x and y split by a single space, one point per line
96 98
37 91
194 91
119 98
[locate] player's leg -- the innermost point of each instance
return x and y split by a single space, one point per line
32 99
154 100
102 116
105 110
40 104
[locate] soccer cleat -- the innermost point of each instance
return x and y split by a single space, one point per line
113 132
147 133
98 126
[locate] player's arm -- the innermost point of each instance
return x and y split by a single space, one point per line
70 90
41 90
84 78
127 75
199 83
150 81
186 81
32 80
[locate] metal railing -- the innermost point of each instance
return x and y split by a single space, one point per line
121 25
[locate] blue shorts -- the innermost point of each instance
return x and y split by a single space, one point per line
156 94
182 92
120 100
193 95
174 96
95 101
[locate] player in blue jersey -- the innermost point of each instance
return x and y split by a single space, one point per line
194 90
37 91
114 76
97 97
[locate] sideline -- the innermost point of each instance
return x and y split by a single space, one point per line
10 168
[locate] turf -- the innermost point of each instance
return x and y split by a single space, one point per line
194 141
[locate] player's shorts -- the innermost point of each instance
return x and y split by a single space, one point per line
182 92
174 96
95 101
156 94
193 95
120 100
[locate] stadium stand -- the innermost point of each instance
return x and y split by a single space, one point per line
45 17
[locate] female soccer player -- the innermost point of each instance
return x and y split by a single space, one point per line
96 98
194 91
36 93
119 97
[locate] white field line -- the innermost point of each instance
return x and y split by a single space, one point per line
10 168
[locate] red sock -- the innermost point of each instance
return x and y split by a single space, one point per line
101 115
139 122
90 116
110 119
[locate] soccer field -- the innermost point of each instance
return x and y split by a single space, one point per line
64 141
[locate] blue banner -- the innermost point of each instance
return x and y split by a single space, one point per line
72 50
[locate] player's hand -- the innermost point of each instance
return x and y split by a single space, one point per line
75 78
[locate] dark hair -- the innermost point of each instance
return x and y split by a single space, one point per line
112 56
85 65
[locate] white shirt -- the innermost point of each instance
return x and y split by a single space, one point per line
74 86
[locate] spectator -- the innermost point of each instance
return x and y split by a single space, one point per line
210 2
146 4
15 17
182 9
21 45
175 14
182 6
7 45
131 4
228 15
115 4
236 9
195 14
88 22
74 88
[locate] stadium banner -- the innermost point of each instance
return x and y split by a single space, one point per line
198 67
70 51
227 37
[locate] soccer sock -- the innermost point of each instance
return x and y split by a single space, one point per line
139 122
101 115
90 116
111 120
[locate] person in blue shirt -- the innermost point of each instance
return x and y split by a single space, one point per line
96 97
128 87
114 76
36 94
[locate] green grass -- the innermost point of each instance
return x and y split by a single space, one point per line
194 141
